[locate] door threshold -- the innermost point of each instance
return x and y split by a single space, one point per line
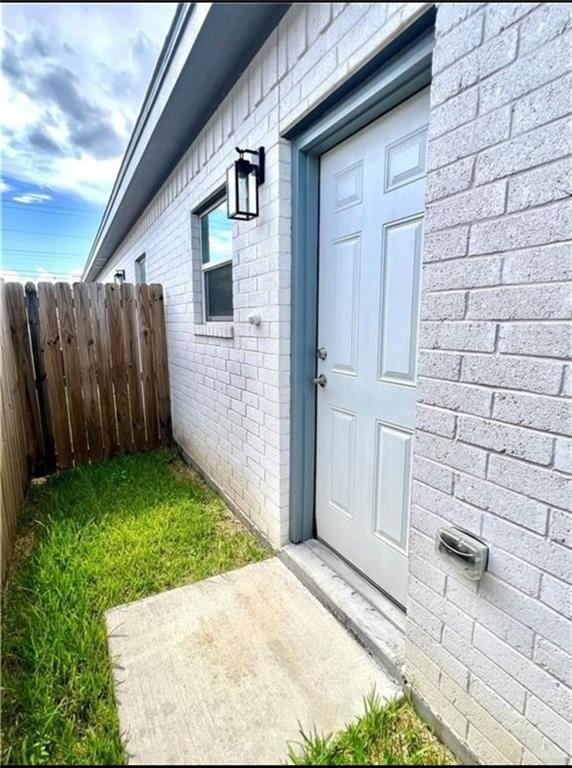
374 620
361 583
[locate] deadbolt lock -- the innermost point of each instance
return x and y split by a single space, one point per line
322 353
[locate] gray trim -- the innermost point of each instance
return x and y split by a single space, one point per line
210 202
396 80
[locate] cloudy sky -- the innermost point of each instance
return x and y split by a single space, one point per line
73 80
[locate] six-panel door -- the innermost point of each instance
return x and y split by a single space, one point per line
371 222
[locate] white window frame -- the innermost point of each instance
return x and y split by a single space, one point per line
208 267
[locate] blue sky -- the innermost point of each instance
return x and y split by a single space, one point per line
73 80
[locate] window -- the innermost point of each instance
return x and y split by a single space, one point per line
216 262
140 275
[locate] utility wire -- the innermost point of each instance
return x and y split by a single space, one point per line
32 262
18 251
37 274
52 211
48 234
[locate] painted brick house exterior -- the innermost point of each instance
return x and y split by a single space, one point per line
492 449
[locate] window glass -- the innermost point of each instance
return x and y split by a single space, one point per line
218 290
216 259
216 235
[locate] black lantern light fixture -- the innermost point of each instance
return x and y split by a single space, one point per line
242 181
119 277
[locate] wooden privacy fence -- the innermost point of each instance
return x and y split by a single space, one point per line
83 376
93 364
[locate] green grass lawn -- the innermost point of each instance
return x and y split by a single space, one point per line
386 734
92 538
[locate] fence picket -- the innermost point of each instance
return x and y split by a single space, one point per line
147 365
133 367
103 368
70 355
119 372
160 361
13 450
50 345
86 349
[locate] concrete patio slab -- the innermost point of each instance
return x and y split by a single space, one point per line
223 671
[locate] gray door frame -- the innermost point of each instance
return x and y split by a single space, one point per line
396 74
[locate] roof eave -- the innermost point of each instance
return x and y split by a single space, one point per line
206 50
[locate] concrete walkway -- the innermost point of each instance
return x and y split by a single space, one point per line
222 671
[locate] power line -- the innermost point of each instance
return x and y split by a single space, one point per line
44 253
48 234
34 271
47 206
9 199
43 250
51 211
32 260
46 264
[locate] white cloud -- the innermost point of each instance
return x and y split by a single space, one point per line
31 197
4 186
39 275
10 276
73 79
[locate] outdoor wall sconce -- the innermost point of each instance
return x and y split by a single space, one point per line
119 277
242 181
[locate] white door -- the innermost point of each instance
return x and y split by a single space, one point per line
371 221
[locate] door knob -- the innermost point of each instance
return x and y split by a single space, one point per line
320 380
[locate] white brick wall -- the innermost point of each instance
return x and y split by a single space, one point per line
230 396
493 660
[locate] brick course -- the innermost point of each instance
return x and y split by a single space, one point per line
500 115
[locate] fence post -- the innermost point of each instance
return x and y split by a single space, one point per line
49 458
